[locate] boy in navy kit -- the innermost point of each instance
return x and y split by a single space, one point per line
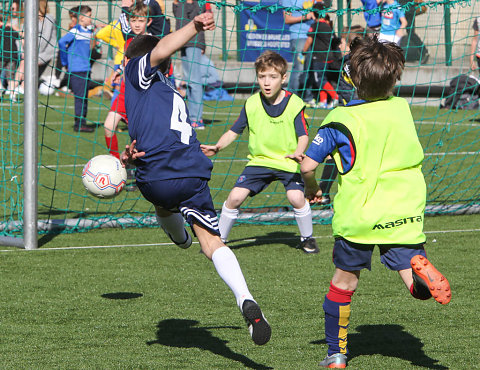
75 51
172 172
382 194
278 137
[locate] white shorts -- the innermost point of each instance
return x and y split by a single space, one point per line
392 38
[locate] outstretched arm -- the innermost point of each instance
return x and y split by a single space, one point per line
174 41
226 139
301 146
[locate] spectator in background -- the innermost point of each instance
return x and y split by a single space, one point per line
298 23
10 55
193 60
373 19
413 46
72 13
160 25
12 77
475 46
394 22
112 35
319 49
47 31
15 19
75 52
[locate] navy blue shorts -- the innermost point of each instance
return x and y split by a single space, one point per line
190 196
350 256
256 179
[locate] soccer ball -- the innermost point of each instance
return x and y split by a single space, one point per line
104 177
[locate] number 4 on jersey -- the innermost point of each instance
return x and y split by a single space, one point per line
178 121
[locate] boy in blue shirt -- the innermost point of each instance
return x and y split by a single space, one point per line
172 172
382 193
75 51
394 23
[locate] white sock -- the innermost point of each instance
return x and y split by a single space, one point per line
303 216
174 225
229 270
227 219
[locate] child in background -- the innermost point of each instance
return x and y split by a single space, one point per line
112 35
75 51
346 92
382 193
394 23
139 21
278 137
63 83
172 173
319 39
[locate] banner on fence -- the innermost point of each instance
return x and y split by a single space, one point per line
262 30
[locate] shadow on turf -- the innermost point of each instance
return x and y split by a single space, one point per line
389 341
277 237
182 333
122 295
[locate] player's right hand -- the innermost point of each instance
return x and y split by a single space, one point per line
209 150
204 22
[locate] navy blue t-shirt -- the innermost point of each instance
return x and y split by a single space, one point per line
158 120
273 111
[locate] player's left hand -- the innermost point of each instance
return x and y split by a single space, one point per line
130 154
204 22
297 157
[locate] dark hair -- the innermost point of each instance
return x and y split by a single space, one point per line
271 59
317 8
375 67
73 12
79 10
143 44
350 33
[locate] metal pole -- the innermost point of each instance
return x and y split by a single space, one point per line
30 191
340 17
224 34
448 34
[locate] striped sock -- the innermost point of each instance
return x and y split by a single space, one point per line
337 319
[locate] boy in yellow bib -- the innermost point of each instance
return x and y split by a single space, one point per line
278 137
381 193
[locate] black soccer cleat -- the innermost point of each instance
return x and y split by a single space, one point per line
258 326
309 245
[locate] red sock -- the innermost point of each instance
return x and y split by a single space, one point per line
330 90
339 295
323 97
112 145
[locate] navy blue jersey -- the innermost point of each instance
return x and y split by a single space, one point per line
273 111
158 120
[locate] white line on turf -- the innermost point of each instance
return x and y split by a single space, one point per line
233 244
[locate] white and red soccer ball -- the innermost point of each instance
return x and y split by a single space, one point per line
104 177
